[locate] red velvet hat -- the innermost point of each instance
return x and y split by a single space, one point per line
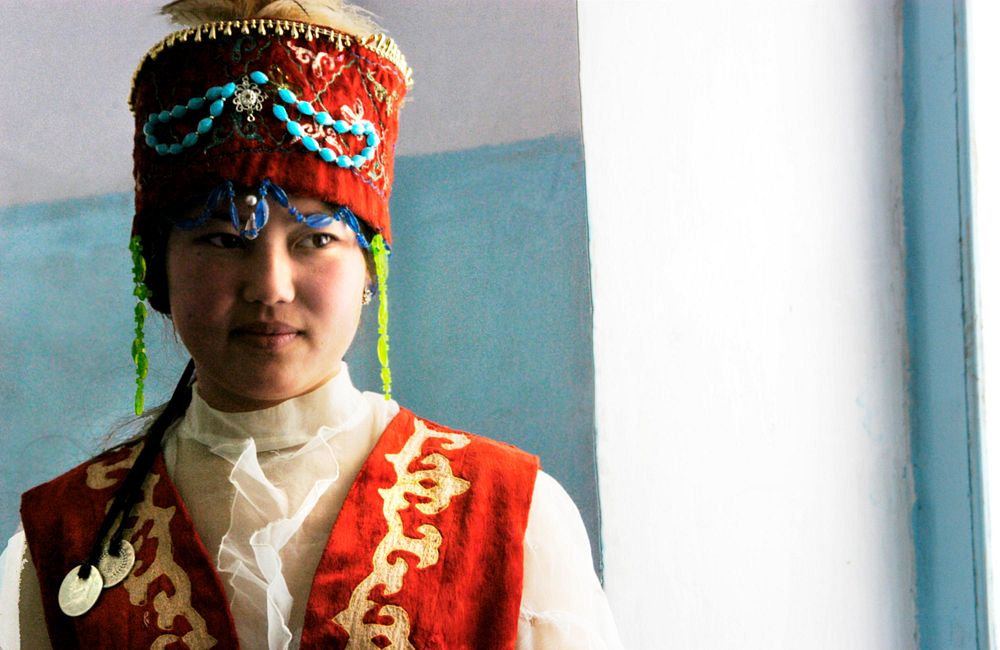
309 109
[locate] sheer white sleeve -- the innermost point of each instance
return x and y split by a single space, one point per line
22 620
563 605
10 588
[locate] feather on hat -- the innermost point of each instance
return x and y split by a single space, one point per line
335 14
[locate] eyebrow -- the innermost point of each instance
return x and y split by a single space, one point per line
220 214
199 219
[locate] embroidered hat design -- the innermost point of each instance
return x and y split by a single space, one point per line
312 110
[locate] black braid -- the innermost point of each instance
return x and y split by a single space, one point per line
130 491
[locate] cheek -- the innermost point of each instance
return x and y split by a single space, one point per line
337 290
195 295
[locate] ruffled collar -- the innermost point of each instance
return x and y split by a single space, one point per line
290 424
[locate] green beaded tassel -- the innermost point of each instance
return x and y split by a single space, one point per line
382 275
141 291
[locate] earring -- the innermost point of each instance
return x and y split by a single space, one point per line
366 296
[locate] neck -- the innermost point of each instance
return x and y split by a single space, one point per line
221 398
293 421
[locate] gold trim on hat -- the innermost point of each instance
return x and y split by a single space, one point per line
380 44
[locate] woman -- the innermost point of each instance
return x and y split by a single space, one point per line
270 504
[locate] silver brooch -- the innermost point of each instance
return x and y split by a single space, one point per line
248 98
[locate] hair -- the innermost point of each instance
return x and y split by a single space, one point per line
153 233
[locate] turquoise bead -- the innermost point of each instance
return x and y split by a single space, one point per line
148 128
176 148
310 143
368 153
369 127
280 112
196 103
359 160
152 141
358 128
205 125
153 118
215 110
324 118
161 149
305 108
294 128
286 95
373 139
340 126
327 154
164 116
178 111
229 89
343 161
258 77
189 140
213 93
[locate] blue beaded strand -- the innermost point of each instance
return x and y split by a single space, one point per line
215 197
261 214
361 128
317 220
215 97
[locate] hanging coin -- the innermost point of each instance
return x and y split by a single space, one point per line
77 595
115 568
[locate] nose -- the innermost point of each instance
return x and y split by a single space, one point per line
269 273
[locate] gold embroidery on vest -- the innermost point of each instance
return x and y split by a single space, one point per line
98 473
439 485
168 607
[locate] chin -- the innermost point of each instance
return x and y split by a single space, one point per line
250 389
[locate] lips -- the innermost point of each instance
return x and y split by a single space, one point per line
266 335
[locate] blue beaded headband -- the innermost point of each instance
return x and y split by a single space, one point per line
261 212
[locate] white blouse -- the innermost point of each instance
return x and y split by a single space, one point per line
263 489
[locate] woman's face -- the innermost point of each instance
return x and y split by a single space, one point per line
267 319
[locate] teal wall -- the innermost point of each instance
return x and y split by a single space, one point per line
490 316
948 515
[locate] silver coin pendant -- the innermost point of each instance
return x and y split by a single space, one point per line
78 595
115 568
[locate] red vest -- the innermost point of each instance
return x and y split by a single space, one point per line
427 552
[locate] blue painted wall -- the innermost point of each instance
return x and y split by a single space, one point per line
941 322
490 316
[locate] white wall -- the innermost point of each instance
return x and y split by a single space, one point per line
743 172
476 69
983 19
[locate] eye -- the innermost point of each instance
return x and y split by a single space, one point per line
223 240
318 240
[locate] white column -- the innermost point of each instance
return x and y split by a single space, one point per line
743 178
